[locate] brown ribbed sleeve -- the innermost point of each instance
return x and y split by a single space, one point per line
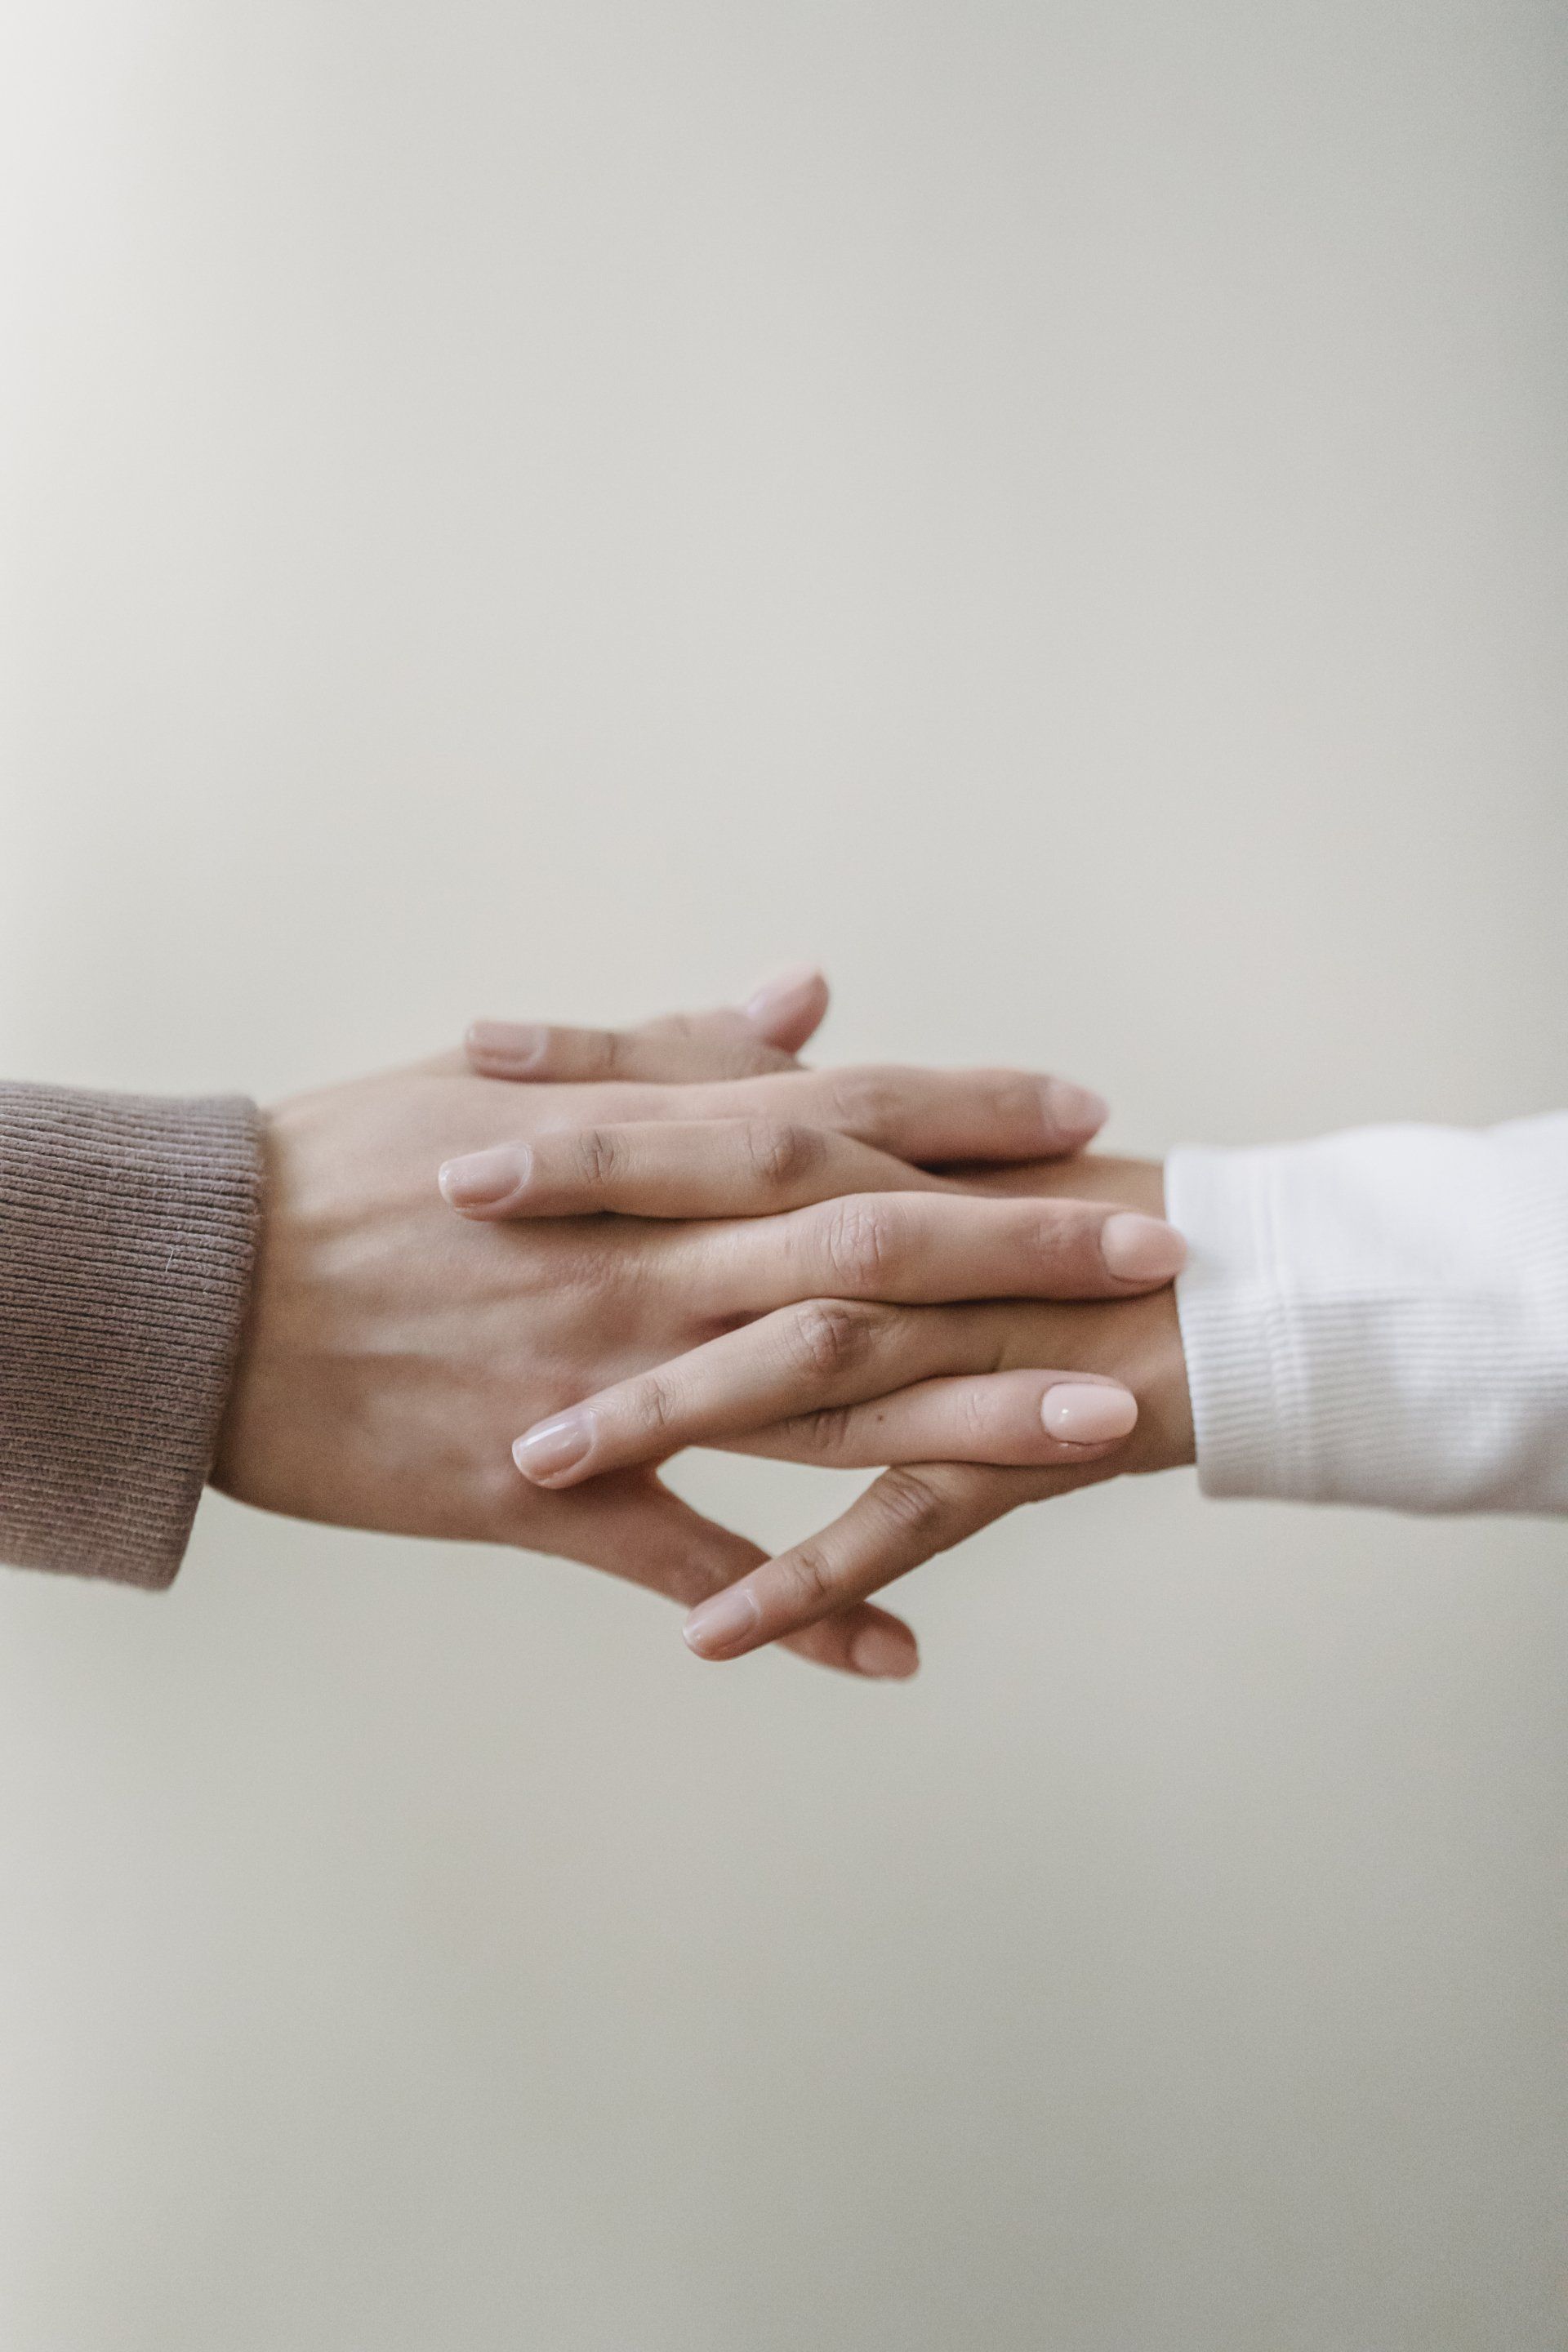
127 1231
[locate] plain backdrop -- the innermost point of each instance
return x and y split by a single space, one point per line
1060 512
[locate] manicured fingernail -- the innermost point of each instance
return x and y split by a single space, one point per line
552 1447
884 1654
1085 1415
718 1626
483 1178
1140 1249
1076 1112
512 1046
772 996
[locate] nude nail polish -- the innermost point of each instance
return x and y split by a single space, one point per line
550 1448
1140 1249
1074 1113
1088 1413
512 1048
718 1626
765 1003
482 1179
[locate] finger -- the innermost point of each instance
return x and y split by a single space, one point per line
679 1048
927 1116
701 1168
686 1047
635 1527
789 1009
920 1248
1026 1419
825 1352
906 1517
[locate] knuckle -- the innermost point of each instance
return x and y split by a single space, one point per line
974 1418
827 1432
601 1157
833 1336
914 1502
809 1579
781 1153
653 1407
860 1242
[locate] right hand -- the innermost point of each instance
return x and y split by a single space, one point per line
910 1358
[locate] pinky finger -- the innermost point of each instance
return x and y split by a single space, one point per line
905 1518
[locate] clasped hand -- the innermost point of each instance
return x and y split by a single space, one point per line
676 1236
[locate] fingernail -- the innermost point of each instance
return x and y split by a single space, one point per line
774 995
1140 1249
1076 1112
718 1626
552 1447
884 1654
1088 1415
514 1047
483 1178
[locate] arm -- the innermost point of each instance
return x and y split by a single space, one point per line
1379 1317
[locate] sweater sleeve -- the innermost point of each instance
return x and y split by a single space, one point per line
1381 1317
127 1232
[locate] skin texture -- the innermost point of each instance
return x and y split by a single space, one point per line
890 1403
916 1510
394 1350
890 1398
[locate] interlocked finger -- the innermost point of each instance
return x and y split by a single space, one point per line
824 1353
1025 1418
906 1517
650 1168
917 1248
927 1116
636 1528
681 1049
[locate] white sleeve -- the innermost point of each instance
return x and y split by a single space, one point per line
1381 1317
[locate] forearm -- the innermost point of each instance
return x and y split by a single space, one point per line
127 1230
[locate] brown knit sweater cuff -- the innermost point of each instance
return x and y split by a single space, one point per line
127 1231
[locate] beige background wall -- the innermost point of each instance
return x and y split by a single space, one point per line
1060 511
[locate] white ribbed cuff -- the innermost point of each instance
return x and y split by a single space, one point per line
1249 1405
1380 1316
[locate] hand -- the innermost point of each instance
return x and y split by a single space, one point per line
936 1391
995 1415
390 1353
